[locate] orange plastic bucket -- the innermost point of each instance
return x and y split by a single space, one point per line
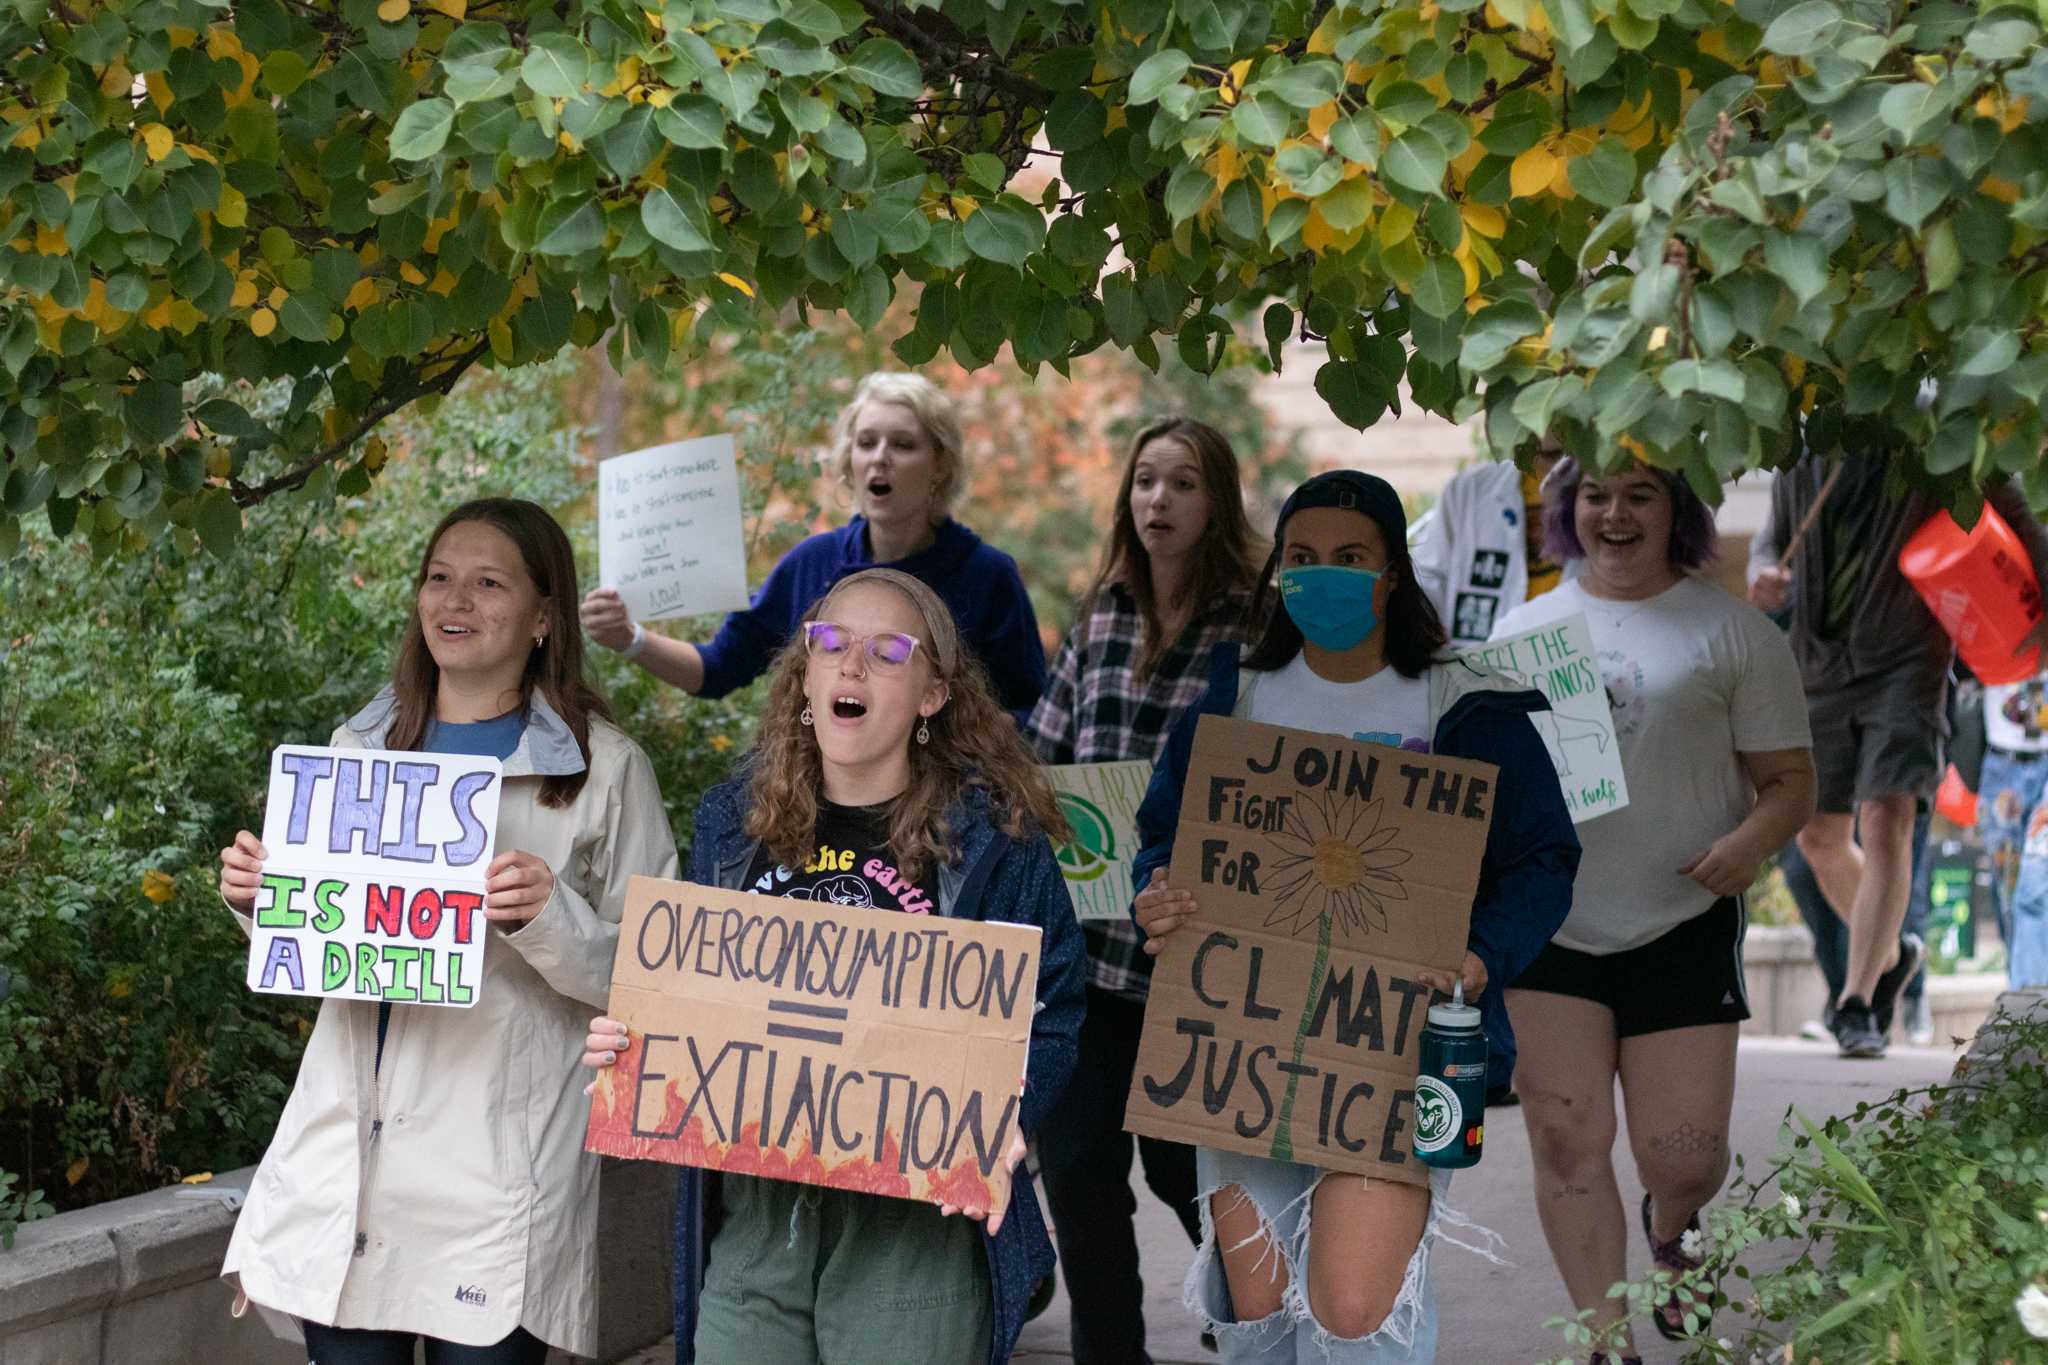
1955 802
1980 585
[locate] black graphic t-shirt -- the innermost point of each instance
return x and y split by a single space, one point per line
852 865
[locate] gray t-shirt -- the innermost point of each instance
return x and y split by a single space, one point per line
1695 678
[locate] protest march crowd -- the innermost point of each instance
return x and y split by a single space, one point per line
432 1178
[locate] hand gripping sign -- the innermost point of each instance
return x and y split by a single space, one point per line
830 1045
1286 1015
374 887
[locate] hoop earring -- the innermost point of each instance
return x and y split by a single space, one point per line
805 718
924 731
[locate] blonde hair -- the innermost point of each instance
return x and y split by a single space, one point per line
935 412
974 743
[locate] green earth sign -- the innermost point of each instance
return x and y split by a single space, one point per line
1093 850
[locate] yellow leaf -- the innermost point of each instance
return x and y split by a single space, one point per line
660 99
720 743
443 284
410 273
1397 224
197 1178
263 322
1321 118
1484 219
2000 189
1532 171
157 140
158 885
234 207
454 9
120 988
964 205
277 297
375 452
1224 164
737 283
391 11
1561 180
501 339
159 90
51 241
244 295
362 295
75 1172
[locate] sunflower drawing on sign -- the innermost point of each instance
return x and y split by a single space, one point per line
1337 868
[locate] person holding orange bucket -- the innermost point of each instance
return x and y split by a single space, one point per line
1875 662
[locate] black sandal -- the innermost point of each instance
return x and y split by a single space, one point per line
1669 1316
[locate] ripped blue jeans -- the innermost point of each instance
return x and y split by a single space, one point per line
1283 1191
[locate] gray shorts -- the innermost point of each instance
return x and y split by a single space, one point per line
1877 737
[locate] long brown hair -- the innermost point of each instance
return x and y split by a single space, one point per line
1225 561
555 666
974 744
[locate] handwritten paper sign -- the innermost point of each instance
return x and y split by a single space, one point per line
825 1044
1286 1015
1100 801
668 529
1559 661
374 887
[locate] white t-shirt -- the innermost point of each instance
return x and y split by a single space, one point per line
2016 716
1695 677
1383 709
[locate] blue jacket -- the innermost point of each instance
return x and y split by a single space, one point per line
996 879
1532 852
978 582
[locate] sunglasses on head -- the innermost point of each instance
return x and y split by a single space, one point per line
829 640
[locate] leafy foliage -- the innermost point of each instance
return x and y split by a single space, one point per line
1915 1227
1667 228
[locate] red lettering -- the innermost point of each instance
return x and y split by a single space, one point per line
384 911
461 904
425 913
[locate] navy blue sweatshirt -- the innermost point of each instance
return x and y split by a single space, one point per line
978 582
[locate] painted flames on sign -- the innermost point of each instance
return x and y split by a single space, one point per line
1335 866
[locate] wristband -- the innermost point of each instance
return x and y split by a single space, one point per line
637 645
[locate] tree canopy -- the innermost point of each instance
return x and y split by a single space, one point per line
1699 234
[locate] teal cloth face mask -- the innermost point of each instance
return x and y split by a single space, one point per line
1330 603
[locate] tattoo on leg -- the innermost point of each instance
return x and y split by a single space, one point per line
1686 1140
1569 1191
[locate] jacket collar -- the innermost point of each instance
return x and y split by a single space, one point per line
547 747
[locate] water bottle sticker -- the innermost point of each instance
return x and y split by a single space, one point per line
1439 1116
1456 1069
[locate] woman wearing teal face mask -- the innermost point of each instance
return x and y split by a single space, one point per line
1298 1264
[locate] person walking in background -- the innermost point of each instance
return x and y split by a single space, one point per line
1175 581
391 1206
880 742
2012 821
897 447
1479 552
1875 664
1644 982
1300 1264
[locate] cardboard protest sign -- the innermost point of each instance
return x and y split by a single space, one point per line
1100 801
374 887
1286 1015
826 1044
668 529
1559 661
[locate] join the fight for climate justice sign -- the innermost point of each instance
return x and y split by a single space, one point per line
831 1045
374 884
1285 1017
668 529
1100 801
1559 661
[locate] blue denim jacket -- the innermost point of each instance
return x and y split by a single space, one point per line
997 878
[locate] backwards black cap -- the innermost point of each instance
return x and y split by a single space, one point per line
1355 490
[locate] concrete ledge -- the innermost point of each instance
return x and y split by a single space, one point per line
1786 988
137 1280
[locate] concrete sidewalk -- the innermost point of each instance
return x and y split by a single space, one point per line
1494 1315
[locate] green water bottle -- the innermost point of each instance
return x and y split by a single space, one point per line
1450 1093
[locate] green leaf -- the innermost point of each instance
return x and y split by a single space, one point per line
1186 192
1987 353
1156 72
1800 260
632 144
1346 206
2002 37
1416 161
1654 294
1804 29
1354 395
693 121
1278 324
1716 378
556 66
1493 329
422 130
218 522
570 228
1520 121
154 412
1262 121
670 224
1122 310
1606 175
884 67
1005 230
1910 105
1440 291
1914 187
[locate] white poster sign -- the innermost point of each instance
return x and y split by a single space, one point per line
1559 661
1100 801
374 884
668 529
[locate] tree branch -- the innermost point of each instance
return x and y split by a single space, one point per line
952 57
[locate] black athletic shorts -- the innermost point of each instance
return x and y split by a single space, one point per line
1689 976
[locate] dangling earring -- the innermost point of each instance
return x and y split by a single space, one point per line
540 641
924 732
805 718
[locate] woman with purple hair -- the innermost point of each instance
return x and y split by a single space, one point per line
1644 981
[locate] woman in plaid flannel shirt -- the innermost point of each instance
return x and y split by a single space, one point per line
1175 580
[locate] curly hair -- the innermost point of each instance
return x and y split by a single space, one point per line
974 745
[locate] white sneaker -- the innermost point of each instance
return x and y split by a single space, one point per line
1919 1023
1814 1031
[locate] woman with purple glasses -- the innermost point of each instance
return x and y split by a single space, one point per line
897 447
